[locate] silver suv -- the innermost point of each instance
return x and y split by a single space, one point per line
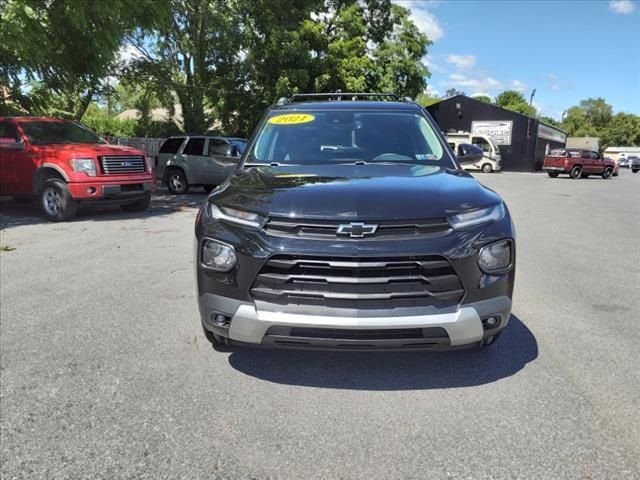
202 160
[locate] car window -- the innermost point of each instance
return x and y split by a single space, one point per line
213 143
195 146
48 132
240 145
595 155
171 145
324 136
8 133
586 154
482 144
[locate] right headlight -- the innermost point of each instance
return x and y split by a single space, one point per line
477 217
217 255
235 216
496 258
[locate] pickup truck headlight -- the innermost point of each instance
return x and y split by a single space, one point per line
496 258
86 165
477 217
217 256
235 216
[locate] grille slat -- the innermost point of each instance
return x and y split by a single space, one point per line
122 164
366 283
281 226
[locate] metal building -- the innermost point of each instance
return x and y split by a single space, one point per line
523 140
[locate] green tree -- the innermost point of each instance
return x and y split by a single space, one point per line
425 99
483 98
452 92
55 54
515 101
549 121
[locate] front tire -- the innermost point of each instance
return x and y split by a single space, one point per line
177 182
553 174
56 202
139 206
487 168
635 171
575 172
607 173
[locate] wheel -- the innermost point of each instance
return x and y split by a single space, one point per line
584 175
607 173
635 171
553 174
487 168
56 202
575 171
208 188
177 182
139 206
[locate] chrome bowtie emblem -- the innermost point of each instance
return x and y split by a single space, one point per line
356 229
125 164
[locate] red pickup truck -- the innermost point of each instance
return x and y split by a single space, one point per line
64 165
577 163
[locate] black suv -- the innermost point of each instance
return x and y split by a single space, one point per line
350 225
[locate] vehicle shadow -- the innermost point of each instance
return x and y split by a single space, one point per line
14 214
386 371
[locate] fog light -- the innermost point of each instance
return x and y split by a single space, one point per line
492 321
91 190
217 256
495 258
221 320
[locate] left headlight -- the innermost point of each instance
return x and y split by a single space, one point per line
235 216
477 217
496 258
86 165
217 256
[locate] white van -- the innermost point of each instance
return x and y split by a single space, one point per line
491 162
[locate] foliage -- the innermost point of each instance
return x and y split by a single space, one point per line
426 100
549 121
55 54
452 92
483 98
515 101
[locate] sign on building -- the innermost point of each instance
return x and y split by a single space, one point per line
498 130
545 131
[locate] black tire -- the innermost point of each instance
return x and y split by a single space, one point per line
139 206
635 171
56 203
208 188
487 168
575 171
553 174
584 175
607 173
177 181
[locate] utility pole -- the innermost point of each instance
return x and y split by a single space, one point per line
529 116
108 99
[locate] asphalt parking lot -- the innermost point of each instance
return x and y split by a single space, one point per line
105 372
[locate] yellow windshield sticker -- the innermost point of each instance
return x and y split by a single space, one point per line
292 119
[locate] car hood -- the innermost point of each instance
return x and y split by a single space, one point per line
82 150
387 191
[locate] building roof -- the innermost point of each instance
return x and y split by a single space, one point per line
622 149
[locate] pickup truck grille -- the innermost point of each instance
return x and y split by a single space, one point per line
363 283
385 229
122 164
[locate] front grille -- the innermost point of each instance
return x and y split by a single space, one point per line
363 283
293 227
122 164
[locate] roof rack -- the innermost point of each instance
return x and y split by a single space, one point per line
341 96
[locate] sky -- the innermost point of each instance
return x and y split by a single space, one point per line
567 50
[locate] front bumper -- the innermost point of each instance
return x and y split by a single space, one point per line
461 328
114 190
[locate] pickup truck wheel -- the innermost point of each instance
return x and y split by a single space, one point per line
635 171
139 206
56 202
607 173
553 174
575 172
487 168
177 182
208 188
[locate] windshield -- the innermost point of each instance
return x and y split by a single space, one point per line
48 132
337 136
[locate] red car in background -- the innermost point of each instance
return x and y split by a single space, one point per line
65 165
578 163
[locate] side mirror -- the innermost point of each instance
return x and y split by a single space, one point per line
468 153
11 144
225 150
